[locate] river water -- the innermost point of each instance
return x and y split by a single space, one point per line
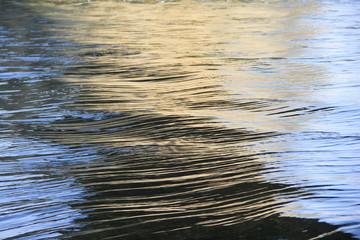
179 119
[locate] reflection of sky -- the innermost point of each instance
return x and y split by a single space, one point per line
335 199
35 189
325 160
327 166
317 67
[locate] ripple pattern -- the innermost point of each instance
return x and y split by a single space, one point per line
179 120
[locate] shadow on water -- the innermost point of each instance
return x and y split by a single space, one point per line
124 150
185 182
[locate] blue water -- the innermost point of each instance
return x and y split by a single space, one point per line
179 119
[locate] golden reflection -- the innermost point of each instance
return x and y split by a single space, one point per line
240 51
241 63
237 62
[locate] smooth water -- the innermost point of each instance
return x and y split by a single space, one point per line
179 120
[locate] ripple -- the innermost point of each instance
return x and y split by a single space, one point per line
179 120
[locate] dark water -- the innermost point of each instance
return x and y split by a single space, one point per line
179 120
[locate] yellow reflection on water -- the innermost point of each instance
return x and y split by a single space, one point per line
240 51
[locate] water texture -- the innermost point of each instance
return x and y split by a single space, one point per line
179 120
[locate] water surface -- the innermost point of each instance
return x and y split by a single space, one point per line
179 120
